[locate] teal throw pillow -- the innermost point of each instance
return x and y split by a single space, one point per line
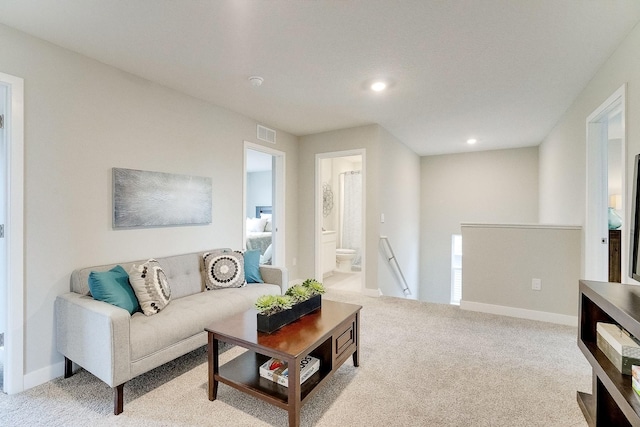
252 267
113 287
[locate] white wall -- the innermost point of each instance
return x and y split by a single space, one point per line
3 210
488 187
500 261
400 204
563 151
81 119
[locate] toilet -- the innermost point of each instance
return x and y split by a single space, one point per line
344 258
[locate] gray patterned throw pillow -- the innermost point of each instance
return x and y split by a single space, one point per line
224 270
150 286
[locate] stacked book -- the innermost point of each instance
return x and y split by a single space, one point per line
276 370
619 347
635 379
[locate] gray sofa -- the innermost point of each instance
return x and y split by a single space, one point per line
116 346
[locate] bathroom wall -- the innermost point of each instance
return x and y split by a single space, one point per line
329 222
338 166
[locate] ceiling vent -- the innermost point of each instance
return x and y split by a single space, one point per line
267 135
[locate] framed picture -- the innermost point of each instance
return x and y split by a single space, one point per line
155 199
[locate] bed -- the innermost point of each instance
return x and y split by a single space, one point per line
259 233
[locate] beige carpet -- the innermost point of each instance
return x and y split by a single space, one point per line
421 364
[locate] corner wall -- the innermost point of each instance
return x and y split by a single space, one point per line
392 174
563 151
83 118
363 137
483 187
400 204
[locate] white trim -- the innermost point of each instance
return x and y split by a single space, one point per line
14 338
43 375
318 213
595 262
280 185
528 226
522 313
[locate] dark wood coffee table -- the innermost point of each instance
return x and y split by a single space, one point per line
330 334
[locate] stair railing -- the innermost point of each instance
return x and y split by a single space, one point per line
394 262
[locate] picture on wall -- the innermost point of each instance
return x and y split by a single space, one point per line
152 199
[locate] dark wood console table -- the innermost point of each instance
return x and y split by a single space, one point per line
613 401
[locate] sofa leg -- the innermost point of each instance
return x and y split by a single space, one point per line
68 367
118 404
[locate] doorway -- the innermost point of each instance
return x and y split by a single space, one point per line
3 221
12 244
264 203
606 187
340 225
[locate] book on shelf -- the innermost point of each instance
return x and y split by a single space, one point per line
277 370
635 379
618 345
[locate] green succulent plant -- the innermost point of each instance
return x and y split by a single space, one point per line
314 287
299 293
271 304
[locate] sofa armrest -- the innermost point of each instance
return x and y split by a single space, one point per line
275 276
95 335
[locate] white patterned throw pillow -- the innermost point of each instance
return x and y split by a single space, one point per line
224 270
150 286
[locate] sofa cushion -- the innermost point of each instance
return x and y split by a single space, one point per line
252 267
150 284
188 316
113 287
185 273
224 270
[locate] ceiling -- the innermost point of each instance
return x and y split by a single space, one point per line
501 71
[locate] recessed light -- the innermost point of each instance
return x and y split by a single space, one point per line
471 141
378 86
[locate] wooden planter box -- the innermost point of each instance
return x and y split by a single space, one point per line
276 321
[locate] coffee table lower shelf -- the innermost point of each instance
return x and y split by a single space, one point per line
243 374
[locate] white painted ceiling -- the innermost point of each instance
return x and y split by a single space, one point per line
502 71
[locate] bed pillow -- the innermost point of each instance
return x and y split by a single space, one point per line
267 226
256 225
252 267
113 287
223 270
149 282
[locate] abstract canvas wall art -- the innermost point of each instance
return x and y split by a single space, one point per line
152 199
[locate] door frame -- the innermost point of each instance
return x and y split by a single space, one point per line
278 236
318 211
596 228
14 235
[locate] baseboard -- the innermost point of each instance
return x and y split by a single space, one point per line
521 313
43 375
